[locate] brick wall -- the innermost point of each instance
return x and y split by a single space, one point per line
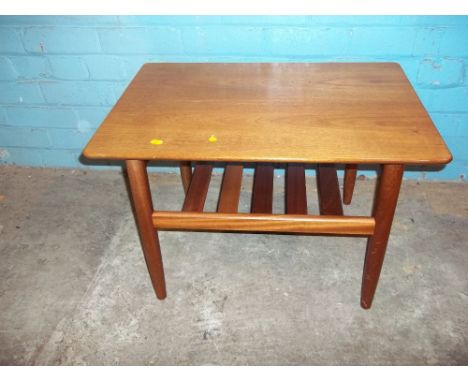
59 76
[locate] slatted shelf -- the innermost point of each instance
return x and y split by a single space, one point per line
262 196
261 218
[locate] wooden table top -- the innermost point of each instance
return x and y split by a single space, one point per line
270 112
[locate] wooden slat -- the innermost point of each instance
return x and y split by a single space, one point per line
230 188
296 196
349 182
241 222
186 174
196 194
328 190
262 197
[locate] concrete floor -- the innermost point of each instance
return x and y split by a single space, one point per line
74 287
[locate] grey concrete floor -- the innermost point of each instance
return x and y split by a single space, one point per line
74 287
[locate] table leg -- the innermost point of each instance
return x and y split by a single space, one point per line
349 182
186 174
143 208
385 202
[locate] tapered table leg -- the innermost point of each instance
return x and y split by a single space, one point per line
349 182
186 175
143 206
385 202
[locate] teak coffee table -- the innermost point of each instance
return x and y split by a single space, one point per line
290 113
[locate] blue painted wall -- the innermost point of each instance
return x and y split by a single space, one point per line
59 76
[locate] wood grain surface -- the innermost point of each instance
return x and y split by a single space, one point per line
270 112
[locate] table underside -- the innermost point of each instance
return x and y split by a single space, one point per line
261 219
